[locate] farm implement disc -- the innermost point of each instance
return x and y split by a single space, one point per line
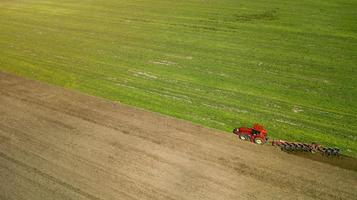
313 147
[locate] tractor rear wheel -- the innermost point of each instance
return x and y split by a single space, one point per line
259 141
243 137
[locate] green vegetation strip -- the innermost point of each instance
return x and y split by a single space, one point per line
290 65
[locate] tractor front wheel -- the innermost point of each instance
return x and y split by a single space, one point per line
259 141
243 137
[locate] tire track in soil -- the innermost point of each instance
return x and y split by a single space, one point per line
49 177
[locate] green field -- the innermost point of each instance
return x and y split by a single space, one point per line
290 65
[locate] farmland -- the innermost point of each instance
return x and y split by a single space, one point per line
221 63
62 144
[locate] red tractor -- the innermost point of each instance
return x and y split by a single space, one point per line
256 134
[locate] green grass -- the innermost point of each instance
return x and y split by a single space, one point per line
290 65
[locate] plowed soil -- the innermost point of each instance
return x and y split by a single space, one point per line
60 144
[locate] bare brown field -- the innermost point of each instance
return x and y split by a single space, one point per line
60 144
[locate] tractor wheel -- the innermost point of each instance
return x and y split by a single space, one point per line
259 141
243 137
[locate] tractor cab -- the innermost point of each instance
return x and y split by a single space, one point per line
257 129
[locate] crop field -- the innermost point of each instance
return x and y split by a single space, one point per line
290 65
